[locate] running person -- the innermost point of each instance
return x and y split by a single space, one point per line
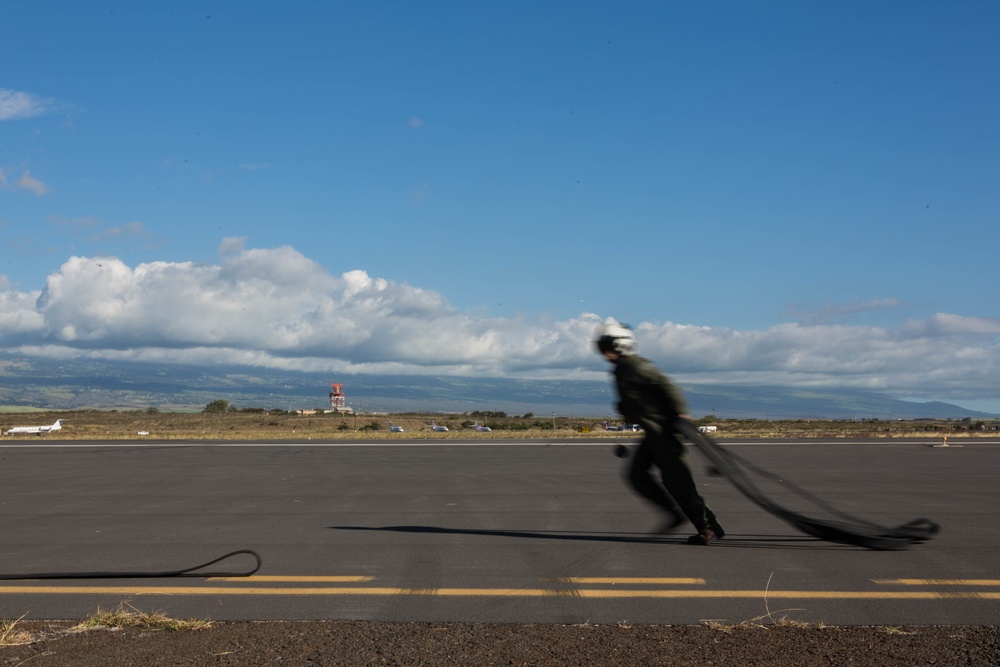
648 398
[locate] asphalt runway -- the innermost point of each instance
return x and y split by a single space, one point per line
487 531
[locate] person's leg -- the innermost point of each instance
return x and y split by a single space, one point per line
713 522
639 477
671 458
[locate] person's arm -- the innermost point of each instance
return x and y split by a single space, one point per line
668 394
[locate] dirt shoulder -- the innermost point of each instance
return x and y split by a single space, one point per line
370 643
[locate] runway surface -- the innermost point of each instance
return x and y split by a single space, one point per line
487 531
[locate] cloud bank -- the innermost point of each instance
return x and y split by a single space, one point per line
276 308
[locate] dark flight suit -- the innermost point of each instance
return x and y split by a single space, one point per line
648 398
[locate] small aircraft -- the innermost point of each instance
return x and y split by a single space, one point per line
440 429
36 430
395 429
482 429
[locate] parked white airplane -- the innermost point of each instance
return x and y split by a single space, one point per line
482 429
395 429
435 427
35 430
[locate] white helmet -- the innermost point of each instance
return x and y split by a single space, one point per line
613 337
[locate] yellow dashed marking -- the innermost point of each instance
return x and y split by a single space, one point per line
632 580
937 582
292 579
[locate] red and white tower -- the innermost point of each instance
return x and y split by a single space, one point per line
338 403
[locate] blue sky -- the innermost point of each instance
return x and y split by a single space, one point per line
773 192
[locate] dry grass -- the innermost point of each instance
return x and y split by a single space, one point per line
126 425
127 616
112 425
772 621
11 634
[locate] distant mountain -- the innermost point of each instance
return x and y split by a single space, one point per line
793 403
78 384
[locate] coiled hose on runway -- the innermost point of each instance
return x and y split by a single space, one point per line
849 530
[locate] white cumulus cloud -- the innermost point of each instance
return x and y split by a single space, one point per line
277 308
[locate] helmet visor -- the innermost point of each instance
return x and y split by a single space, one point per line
606 344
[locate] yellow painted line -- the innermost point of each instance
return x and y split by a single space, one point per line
938 582
346 579
631 580
197 590
503 592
